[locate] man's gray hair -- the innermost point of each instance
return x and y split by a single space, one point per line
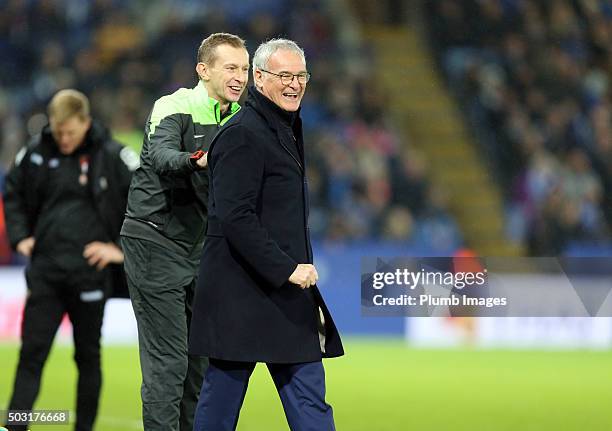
266 49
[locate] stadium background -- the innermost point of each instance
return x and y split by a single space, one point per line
434 127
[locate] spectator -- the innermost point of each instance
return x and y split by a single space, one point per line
112 51
537 94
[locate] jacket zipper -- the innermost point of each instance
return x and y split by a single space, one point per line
203 230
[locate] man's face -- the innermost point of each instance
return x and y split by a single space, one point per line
70 134
286 96
227 77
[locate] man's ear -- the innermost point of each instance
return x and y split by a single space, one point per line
203 71
258 78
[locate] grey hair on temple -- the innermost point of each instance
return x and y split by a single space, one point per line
266 49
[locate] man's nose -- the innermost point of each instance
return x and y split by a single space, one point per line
242 76
295 84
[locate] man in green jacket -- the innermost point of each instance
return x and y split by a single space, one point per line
163 232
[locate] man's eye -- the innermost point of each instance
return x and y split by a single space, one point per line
286 76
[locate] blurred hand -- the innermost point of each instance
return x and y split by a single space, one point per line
203 161
26 245
100 254
304 275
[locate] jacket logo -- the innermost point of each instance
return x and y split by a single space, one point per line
53 163
18 158
103 183
36 158
198 136
92 296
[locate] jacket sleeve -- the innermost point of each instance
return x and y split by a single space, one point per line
126 164
237 180
165 133
16 214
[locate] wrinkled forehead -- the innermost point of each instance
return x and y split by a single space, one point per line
285 60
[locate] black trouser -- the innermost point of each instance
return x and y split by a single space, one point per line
46 304
161 282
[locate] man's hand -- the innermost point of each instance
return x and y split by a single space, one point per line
304 275
26 245
202 162
100 254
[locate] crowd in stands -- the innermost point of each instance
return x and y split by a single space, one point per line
533 77
365 183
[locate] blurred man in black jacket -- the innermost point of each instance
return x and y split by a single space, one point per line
64 202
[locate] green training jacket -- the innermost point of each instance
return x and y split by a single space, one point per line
169 193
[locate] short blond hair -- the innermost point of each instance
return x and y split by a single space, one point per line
207 50
67 104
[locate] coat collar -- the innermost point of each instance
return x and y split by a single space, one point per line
273 114
287 125
200 98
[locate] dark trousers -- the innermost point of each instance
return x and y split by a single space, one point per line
162 284
44 309
301 388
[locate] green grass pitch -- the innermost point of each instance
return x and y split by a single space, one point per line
381 385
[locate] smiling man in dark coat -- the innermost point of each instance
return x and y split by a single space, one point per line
257 299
